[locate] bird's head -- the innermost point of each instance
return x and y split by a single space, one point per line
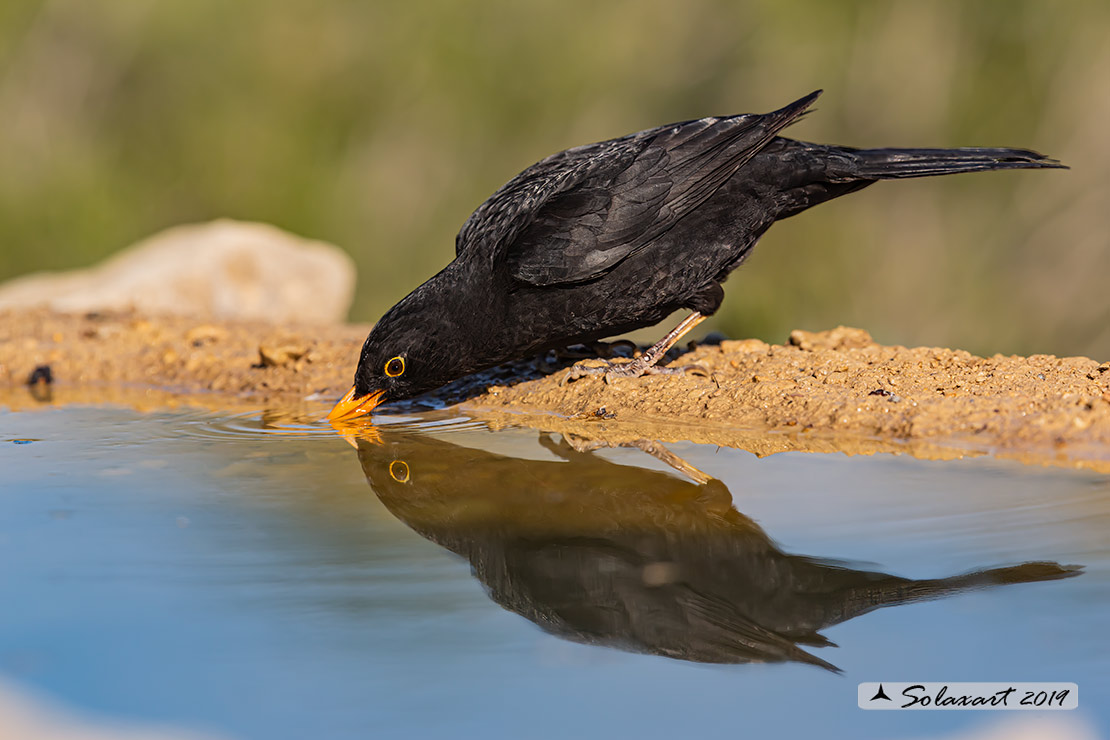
408 352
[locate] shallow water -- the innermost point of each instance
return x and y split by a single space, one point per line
263 579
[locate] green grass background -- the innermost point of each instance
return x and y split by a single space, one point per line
380 125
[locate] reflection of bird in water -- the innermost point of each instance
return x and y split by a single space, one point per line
636 559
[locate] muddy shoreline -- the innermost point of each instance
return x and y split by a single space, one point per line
826 391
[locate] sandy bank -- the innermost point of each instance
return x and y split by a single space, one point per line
828 391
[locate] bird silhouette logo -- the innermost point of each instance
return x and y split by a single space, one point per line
880 694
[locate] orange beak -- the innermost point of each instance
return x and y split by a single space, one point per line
350 407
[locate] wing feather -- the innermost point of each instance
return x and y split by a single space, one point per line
579 213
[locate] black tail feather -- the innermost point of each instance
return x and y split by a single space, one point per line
892 164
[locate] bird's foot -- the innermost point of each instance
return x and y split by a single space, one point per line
552 361
631 369
581 370
692 369
700 371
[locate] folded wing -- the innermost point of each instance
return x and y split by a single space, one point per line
579 213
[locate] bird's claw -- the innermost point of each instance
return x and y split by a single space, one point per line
695 369
700 370
581 370
549 362
632 369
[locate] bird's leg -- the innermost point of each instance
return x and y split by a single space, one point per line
582 445
645 363
661 453
655 352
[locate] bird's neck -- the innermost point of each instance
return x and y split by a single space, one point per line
468 315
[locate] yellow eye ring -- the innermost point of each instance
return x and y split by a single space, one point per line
395 367
399 471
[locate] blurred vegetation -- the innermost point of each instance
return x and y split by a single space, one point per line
379 126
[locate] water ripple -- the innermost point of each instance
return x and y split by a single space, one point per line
308 425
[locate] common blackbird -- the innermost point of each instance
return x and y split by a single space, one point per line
614 236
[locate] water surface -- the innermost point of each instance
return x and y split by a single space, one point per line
227 574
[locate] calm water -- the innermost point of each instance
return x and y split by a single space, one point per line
217 575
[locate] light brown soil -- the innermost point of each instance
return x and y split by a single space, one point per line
260 362
839 390
828 391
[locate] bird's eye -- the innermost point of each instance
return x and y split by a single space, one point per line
399 471
395 367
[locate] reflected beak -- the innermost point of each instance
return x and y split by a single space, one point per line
350 407
351 433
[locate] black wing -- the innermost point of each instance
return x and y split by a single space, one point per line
577 214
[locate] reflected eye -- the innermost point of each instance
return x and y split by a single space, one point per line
399 471
395 367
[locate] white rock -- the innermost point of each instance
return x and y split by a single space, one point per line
221 269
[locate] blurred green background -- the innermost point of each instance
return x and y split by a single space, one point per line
380 125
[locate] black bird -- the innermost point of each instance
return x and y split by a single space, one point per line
620 556
615 236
